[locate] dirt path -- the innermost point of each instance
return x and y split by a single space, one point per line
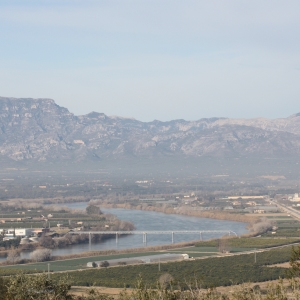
81 290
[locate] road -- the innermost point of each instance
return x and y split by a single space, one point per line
288 209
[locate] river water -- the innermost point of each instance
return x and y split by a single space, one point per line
148 220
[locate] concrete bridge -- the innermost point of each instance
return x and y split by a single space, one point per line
144 233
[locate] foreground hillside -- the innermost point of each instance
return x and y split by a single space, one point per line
40 130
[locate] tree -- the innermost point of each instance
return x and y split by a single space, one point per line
13 256
93 210
41 255
46 241
39 287
223 245
165 280
3 287
104 264
294 271
2 235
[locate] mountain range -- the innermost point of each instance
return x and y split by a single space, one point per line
41 130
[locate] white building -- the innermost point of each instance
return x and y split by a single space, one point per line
19 232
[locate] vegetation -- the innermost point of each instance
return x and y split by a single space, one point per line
22 287
104 264
93 210
41 255
174 280
256 242
59 221
40 287
211 271
10 243
13 256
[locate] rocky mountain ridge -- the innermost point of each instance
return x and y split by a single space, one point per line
41 130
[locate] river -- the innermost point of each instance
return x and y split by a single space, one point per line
148 220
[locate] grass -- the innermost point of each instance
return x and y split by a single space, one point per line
286 228
203 249
236 244
195 249
73 264
213 271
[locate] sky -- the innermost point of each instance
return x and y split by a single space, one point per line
154 59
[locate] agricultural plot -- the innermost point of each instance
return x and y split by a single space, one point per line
216 271
244 244
286 228
72 264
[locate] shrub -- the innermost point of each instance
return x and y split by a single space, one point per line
37 287
41 255
13 256
93 210
104 264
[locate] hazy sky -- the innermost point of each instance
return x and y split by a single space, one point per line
154 59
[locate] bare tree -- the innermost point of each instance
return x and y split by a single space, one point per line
13 256
165 280
41 255
46 241
223 245
262 226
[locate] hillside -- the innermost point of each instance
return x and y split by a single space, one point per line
40 130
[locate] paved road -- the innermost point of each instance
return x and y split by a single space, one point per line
288 209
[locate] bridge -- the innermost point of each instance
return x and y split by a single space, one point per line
144 233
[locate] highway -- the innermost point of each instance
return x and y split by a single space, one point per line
288 209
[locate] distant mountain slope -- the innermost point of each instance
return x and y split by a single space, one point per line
40 130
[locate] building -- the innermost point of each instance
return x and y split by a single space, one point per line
262 209
11 233
141 260
295 198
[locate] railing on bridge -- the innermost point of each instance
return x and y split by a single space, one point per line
145 232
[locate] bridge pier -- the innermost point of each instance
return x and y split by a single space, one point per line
145 237
159 232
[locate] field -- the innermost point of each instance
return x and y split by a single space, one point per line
241 244
214 271
218 262
287 227
201 249
222 270
71 264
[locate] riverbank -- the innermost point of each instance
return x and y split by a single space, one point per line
185 211
57 203
126 251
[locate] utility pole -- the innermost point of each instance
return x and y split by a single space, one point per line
255 255
159 264
48 270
